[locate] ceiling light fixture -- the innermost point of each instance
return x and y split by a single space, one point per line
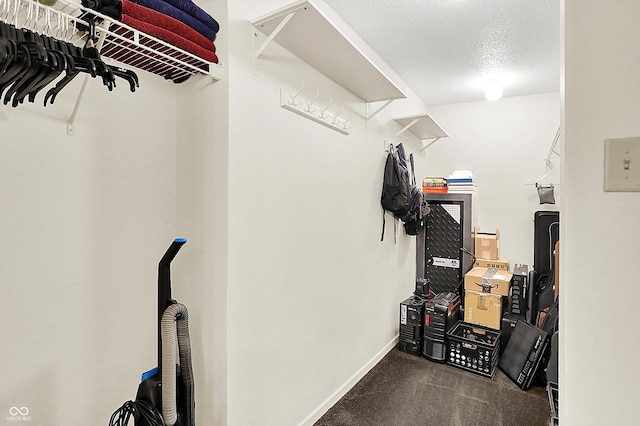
493 90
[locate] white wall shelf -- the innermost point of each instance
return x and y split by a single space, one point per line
424 127
116 41
315 33
121 43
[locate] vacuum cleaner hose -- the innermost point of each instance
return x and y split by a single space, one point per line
176 317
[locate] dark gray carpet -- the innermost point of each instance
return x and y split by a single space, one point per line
403 389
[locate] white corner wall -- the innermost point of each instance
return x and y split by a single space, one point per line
313 292
505 144
84 221
202 215
598 293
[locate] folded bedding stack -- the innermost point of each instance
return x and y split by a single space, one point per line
180 23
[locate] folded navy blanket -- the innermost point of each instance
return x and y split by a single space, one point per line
170 37
182 16
161 20
194 10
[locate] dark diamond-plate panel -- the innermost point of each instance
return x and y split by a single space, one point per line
442 247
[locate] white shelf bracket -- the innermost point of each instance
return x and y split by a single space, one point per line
380 108
423 147
552 149
407 127
423 127
71 130
258 50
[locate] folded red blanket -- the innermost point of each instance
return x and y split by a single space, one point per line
153 17
170 37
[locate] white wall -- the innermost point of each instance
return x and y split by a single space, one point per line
202 215
505 144
599 370
313 292
83 224
84 220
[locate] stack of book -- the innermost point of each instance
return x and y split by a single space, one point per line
434 184
461 181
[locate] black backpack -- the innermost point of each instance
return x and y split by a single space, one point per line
396 191
418 206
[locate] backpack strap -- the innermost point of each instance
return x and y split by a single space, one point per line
383 215
413 170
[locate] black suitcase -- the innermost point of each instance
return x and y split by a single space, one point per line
545 235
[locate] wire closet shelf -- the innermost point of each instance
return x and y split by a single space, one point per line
63 19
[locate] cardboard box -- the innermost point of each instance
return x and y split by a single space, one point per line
501 263
489 280
483 309
486 245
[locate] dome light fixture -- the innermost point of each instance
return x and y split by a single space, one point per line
493 90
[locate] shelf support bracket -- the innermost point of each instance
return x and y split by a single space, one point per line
71 130
374 113
407 127
423 147
258 50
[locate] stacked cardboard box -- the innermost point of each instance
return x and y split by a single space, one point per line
485 291
486 245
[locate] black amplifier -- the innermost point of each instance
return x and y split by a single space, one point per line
440 314
411 315
524 353
474 348
517 304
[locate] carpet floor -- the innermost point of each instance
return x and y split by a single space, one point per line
403 389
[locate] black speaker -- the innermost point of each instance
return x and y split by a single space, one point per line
411 317
440 315
524 353
517 302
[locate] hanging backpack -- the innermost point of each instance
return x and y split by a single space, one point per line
395 196
418 207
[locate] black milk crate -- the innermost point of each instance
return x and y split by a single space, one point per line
474 348
552 392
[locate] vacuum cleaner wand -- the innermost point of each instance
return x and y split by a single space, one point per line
164 289
165 396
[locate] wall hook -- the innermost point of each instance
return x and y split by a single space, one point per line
294 97
306 109
347 122
311 102
335 117
323 112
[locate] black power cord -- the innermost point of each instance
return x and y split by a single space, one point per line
140 410
473 261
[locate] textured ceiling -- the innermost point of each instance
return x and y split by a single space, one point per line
446 50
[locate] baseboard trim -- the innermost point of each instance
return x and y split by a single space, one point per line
342 390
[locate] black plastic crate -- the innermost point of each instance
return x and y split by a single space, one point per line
552 392
474 348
